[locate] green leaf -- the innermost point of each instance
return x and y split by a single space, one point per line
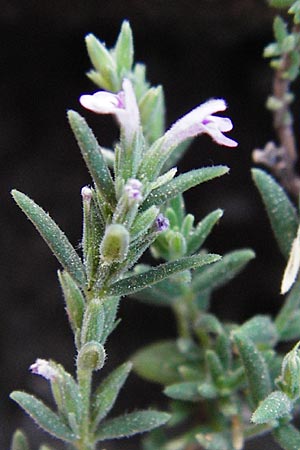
281 3
275 406
256 369
182 183
93 322
152 110
104 64
159 362
187 391
203 229
124 50
215 441
223 271
110 306
261 330
281 212
287 436
131 424
43 416
280 29
138 282
106 394
164 293
54 237
288 311
19 441
74 300
91 152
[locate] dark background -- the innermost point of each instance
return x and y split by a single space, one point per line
197 49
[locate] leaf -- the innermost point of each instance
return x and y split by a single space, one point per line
54 237
222 271
92 155
43 416
74 300
215 441
124 50
131 424
203 229
181 184
187 391
110 307
152 108
106 394
287 436
273 407
93 322
256 369
159 362
287 312
281 212
280 29
138 282
19 441
260 330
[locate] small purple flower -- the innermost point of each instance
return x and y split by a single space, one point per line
43 368
198 121
162 223
122 105
133 189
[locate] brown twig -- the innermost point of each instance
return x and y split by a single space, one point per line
281 159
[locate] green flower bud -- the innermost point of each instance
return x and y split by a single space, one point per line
91 356
289 381
115 243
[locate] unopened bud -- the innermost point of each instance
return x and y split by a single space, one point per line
162 223
289 380
91 356
115 243
86 194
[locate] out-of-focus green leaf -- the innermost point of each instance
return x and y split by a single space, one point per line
138 282
43 416
287 436
54 237
273 407
19 441
256 369
159 362
288 312
131 424
221 272
261 330
187 391
281 212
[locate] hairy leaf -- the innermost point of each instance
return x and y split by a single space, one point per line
54 237
275 406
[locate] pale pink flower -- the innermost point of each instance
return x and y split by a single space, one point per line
201 120
43 368
133 189
122 105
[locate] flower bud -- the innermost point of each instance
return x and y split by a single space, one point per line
289 381
115 243
162 223
91 356
86 194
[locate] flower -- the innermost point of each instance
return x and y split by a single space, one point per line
43 367
133 189
201 120
162 223
86 194
123 105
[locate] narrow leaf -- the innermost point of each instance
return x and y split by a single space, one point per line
288 437
281 212
187 391
124 50
138 282
182 183
43 416
108 391
54 237
275 406
92 155
131 424
223 271
256 369
288 310
261 330
202 230
19 441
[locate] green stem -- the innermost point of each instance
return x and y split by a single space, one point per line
84 378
